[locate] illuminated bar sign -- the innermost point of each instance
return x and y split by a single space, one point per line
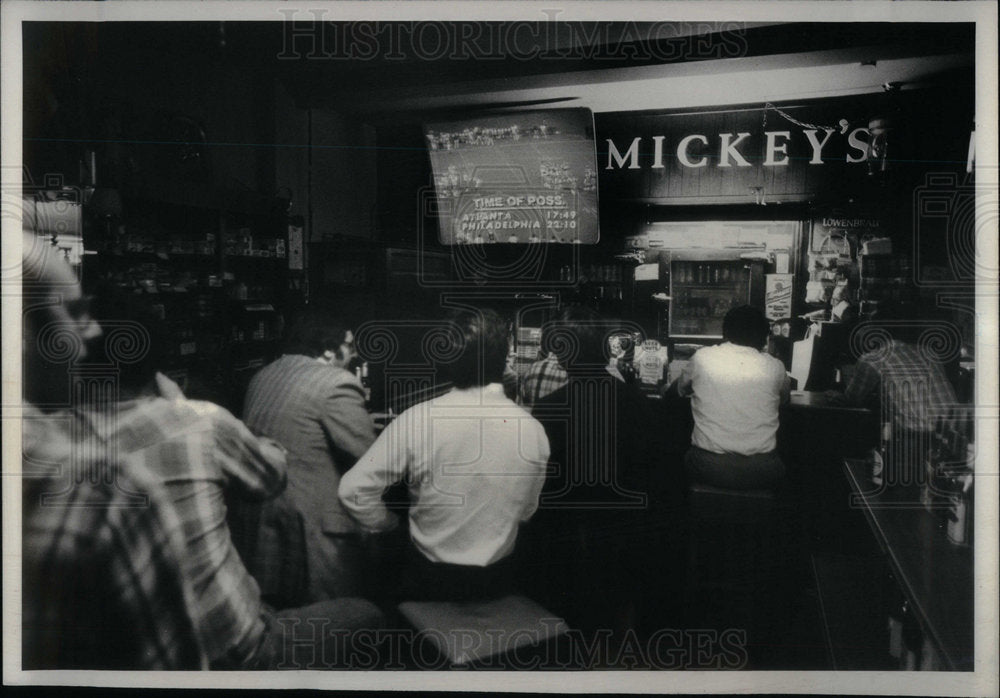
753 155
696 150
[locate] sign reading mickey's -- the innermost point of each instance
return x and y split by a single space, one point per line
736 149
806 152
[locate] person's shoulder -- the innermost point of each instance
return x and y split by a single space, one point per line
773 362
305 374
555 398
343 383
879 355
276 365
523 411
532 422
536 366
195 408
288 367
708 352
702 357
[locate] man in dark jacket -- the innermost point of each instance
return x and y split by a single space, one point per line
598 531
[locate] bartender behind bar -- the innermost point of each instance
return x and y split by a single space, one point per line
910 388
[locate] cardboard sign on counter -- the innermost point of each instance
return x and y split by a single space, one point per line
778 296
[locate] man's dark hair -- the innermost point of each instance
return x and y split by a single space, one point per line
578 337
315 330
481 343
136 336
746 326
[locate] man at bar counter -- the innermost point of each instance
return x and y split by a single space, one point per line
736 391
594 548
309 402
473 462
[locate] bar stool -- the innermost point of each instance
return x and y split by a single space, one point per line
509 632
735 549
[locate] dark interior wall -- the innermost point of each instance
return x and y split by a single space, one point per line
342 168
136 97
404 184
291 154
178 104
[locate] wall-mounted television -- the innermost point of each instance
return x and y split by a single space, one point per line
518 177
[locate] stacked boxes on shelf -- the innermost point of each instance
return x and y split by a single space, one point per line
242 243
885 278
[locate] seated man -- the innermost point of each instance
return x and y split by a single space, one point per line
198 454
736 390
314 406
910 389
102 582
474 464
594 542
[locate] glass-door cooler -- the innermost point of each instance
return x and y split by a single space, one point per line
702 291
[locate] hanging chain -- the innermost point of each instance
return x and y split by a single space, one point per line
842 126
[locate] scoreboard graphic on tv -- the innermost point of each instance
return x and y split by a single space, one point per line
521 177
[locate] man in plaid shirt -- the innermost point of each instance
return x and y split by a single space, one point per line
102 582
909 387
127 561
103 587
916 389
200 454
542 378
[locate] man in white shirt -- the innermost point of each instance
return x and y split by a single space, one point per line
736 390
474 464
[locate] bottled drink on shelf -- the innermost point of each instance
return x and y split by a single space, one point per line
913 640
896 613
880 457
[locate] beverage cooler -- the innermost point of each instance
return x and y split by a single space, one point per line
706 284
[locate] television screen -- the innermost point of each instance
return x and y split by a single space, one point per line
520 177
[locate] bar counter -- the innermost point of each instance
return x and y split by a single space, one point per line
818 400
934 574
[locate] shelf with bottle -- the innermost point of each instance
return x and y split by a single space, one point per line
157 278
242 243
601 292
696 327
214 264
885 278
706 274
253 321
587 273
186 258
947 485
